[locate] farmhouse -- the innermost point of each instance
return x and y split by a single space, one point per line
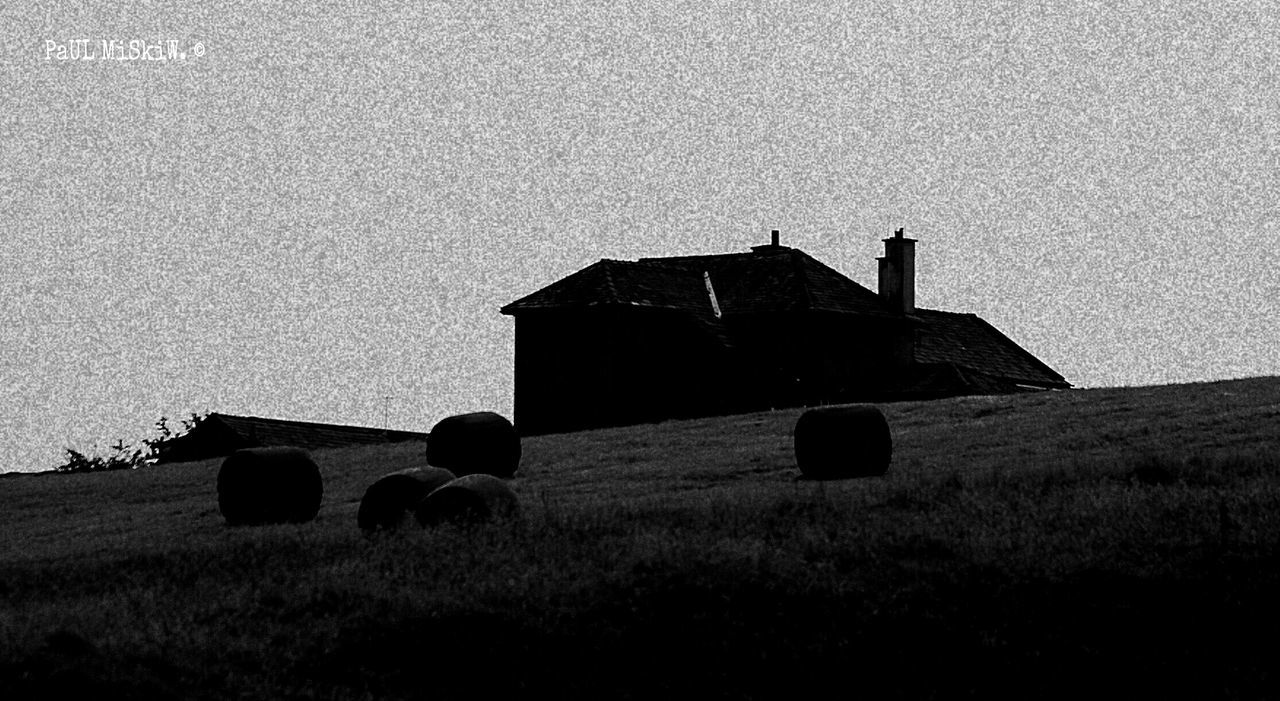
623 342
222 434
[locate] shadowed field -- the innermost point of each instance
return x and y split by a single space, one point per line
1100 542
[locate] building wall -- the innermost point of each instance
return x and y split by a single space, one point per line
814 358
597 367
578 369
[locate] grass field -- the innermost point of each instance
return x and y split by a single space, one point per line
1113 542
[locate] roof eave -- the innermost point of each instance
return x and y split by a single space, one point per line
512 309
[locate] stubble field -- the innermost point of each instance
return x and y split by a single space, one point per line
1100 542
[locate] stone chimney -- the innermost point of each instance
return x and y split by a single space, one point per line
898 273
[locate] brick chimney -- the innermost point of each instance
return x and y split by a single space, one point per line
898 273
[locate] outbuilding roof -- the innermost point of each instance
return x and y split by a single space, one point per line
222 434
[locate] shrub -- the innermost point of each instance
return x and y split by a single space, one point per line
164 434
125 457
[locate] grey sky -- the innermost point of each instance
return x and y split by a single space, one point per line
329 205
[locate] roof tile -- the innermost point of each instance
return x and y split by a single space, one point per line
968 341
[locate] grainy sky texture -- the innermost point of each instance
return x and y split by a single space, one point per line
328 205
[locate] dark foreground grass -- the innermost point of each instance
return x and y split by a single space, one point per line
680 560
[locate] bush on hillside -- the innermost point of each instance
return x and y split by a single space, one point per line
125 457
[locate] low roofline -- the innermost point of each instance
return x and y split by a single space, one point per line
311 424
1061 382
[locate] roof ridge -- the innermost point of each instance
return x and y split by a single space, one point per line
870 294
610 288
696 257
797 264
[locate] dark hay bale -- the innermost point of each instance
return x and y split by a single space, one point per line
394 497
843 442
269 485
473 498
467 444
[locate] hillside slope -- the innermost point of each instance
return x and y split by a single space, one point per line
1019 545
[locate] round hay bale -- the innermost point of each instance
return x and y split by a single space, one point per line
479 443
388 501
269 485
475 498
843 442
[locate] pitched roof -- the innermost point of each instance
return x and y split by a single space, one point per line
768 279
779 279
969 342
221 434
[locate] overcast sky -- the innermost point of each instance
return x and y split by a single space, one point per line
320 208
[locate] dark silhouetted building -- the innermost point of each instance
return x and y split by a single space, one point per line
623 342
221 434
